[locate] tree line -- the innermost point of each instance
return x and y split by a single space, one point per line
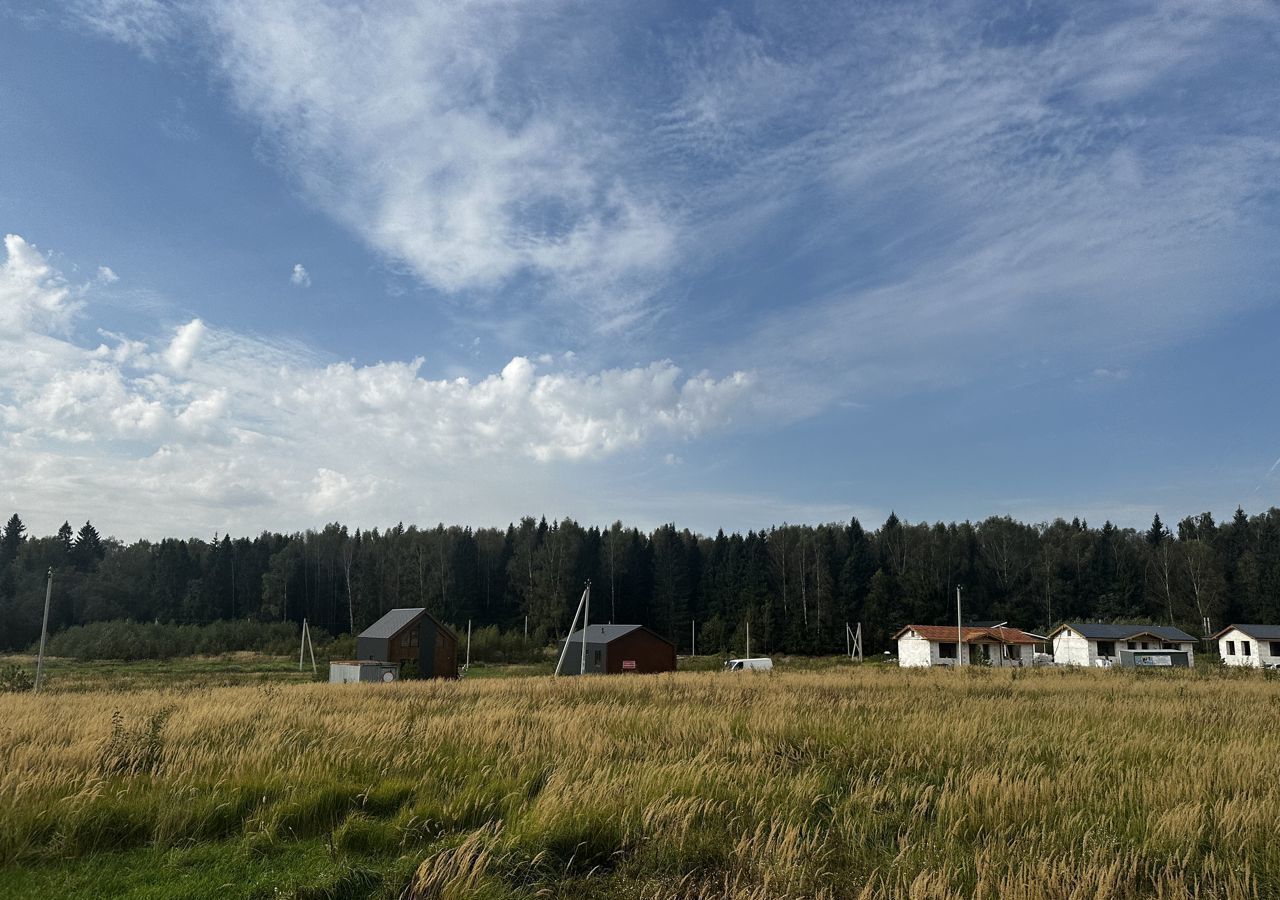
796 584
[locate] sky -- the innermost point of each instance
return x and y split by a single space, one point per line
271 264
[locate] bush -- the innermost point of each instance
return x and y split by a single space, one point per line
133 751
492 645
122 639
15 680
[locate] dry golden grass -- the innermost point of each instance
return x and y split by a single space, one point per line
866 782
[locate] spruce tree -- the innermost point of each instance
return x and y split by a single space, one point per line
87 549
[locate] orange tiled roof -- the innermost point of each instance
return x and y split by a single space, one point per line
947 633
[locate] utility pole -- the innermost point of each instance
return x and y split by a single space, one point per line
693 638
564 653
748 639
468 663
959 631
305 646
586 617
44 630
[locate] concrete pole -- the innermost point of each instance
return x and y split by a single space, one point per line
565 651
468 644
959 632
586 617
302 644
693 638
748 639
44 631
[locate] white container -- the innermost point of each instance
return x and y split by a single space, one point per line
352 671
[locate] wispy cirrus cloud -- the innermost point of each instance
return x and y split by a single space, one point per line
524 150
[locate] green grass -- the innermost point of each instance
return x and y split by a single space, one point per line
231 869
228 670
822 779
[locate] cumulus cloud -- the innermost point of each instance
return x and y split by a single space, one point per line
32 296
300 276
182 349
106 275
211 426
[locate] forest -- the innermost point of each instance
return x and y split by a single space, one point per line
796 584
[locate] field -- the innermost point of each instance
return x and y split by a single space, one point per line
835 781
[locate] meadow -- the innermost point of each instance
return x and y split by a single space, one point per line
827 782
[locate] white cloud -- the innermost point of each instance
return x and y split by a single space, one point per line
407 124
144 25
182 349
300 277
212 428
32 296
106 275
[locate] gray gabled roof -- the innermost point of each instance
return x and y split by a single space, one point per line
393 622
1100 631
605 634
398 619
1257 632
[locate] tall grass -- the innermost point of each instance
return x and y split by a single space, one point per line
866 782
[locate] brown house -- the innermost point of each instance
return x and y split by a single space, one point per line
411 635
618 649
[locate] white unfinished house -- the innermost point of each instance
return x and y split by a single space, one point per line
1249 645
1097 644
945 645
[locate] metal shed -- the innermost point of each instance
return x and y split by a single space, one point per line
411 635
616 649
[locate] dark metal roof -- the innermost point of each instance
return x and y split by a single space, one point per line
1099 631
393 622
398 619
604 634
1257 632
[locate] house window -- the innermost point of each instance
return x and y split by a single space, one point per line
597 659
1144 646
404 639
1245 649
1275 648
946 651
1231 648
1167 646
1106 648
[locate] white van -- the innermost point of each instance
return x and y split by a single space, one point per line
763 663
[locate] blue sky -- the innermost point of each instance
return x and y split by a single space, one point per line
272 264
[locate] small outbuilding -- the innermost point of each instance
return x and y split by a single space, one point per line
411 637
352 671
947 645
1100 644
617 649
1249 645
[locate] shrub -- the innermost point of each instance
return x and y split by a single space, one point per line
134 751
14 680
122 639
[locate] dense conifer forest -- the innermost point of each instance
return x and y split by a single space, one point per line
797 584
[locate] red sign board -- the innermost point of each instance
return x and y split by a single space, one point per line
628 664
